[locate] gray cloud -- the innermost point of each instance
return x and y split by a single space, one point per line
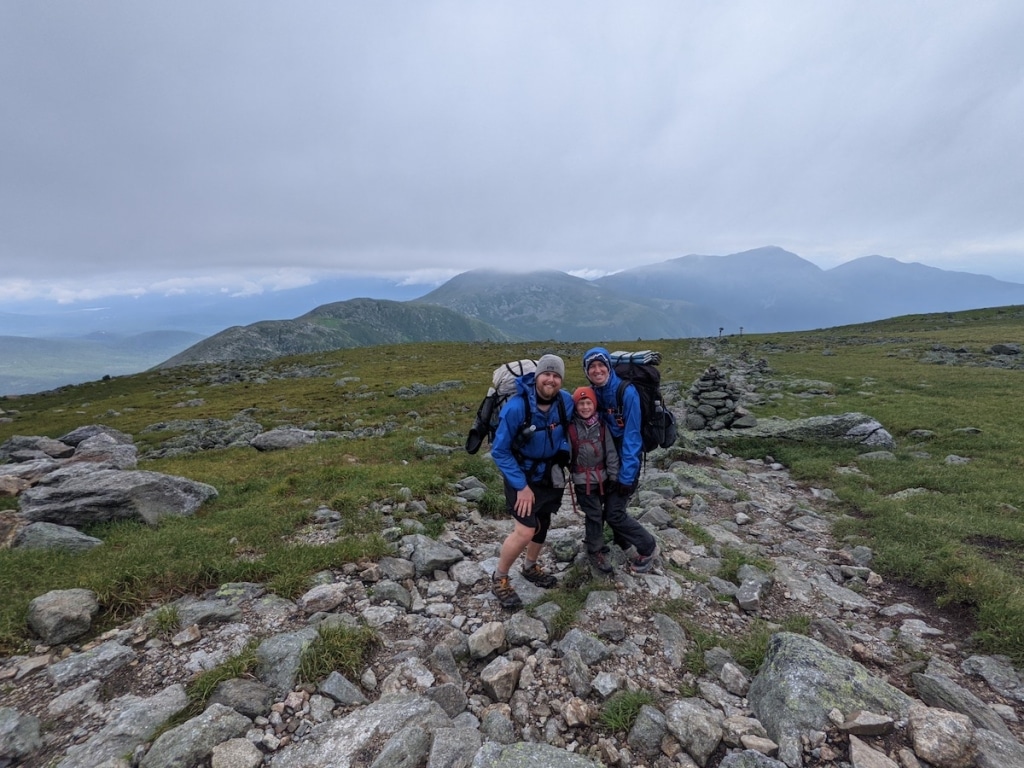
204 144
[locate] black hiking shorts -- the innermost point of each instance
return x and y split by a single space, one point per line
546 502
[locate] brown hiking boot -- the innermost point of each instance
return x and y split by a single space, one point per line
645 563
536 575
501 587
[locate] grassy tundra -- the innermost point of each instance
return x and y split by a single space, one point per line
963 538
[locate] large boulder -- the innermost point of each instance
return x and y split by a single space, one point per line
802 680
27 473
62 614
107 449
19 736
283 438
79 435
80 498
338 743
29 447
192 742
131 722
53 536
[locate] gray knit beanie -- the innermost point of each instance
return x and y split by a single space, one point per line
551 364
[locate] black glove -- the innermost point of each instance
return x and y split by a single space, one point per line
624 490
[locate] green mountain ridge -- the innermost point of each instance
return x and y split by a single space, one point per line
480 305
554 305
340 325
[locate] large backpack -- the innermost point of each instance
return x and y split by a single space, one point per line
503 386
640 369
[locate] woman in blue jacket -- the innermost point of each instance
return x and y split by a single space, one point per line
625 429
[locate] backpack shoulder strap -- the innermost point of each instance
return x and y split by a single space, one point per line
524 425
527 414
563 420
620 393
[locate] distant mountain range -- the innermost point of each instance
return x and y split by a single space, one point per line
770 289
34 365
758 291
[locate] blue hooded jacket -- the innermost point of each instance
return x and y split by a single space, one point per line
625 430
536 449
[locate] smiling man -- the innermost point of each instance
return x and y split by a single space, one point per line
530 444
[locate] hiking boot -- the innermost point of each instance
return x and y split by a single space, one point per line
501 587
536 575
600 563
644 563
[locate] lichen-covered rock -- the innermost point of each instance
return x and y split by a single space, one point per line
802 680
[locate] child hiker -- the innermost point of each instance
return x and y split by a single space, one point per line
595 467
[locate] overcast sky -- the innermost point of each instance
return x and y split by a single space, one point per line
248 145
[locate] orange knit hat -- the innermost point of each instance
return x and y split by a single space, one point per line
586 392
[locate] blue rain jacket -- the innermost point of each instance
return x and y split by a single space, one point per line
625 430
536 449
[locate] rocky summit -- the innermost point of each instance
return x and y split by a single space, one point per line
858 672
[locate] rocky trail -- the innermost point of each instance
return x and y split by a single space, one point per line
881 677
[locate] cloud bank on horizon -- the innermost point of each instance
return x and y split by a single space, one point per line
242 147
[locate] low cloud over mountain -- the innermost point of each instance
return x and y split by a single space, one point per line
759 291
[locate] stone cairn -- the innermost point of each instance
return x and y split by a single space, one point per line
713 403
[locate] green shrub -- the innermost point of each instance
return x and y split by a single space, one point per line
492 505
733 559
202 687
621 710
165 620
337 648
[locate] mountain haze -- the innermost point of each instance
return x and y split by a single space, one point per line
758 291
770 289
910 289
203 313
34 365
767 288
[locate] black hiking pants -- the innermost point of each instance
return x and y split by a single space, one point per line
625 529
592 504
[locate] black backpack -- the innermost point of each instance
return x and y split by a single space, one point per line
503 386
657 423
